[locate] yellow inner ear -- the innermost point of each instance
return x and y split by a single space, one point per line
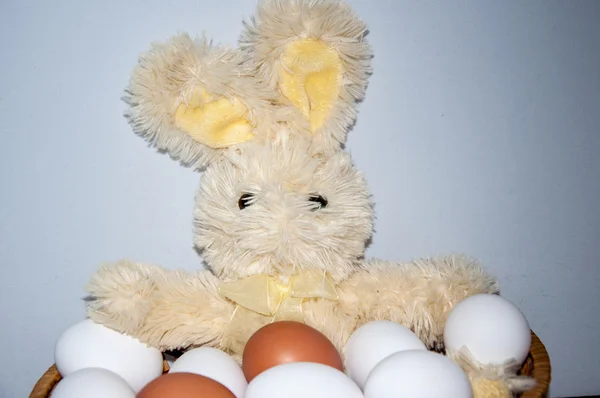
217 123
311 77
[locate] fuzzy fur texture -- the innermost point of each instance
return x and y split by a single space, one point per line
279 22
282 231
169 74
288 201
492 381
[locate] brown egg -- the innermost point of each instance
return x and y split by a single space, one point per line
285 342
184 385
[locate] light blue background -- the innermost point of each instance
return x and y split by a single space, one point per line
479 135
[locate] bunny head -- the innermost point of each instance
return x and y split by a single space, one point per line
265 123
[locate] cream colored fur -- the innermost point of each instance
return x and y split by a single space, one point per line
278 22
281 232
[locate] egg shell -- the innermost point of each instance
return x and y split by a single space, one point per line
417 374
184 385
93 383
373 342
214 364
492 328
89 344
303 380
286 342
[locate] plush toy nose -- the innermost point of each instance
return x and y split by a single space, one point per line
285 219
283 209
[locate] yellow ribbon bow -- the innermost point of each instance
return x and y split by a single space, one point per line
279 297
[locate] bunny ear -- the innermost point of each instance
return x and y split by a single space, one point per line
315 54
194 100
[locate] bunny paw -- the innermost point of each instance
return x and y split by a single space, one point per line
121 295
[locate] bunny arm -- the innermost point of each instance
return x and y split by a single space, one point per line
418 294
165 309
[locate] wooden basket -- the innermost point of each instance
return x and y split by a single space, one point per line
537 365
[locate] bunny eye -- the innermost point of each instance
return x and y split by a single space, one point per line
245 200
319 200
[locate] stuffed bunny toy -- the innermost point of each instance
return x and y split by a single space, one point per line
282 216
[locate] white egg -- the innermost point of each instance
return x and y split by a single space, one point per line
492 328
302 380
90 345
417 374
373 342
93 383
214 364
